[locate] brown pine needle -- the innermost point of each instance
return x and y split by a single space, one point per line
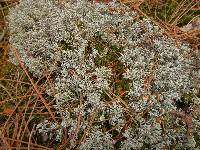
33 84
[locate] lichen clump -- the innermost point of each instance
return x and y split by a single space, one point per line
76 40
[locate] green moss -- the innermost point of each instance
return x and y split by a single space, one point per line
111 56
146 146
188 98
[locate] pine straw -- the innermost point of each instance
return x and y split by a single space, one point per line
23 106
21 98
171 20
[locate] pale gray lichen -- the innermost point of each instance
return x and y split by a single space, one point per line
69 38
37 28
98 140
148 133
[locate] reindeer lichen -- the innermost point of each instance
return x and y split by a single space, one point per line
118 76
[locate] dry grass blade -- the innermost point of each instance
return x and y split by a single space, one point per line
186 9
181 4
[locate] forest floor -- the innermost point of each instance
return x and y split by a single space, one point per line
22 106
